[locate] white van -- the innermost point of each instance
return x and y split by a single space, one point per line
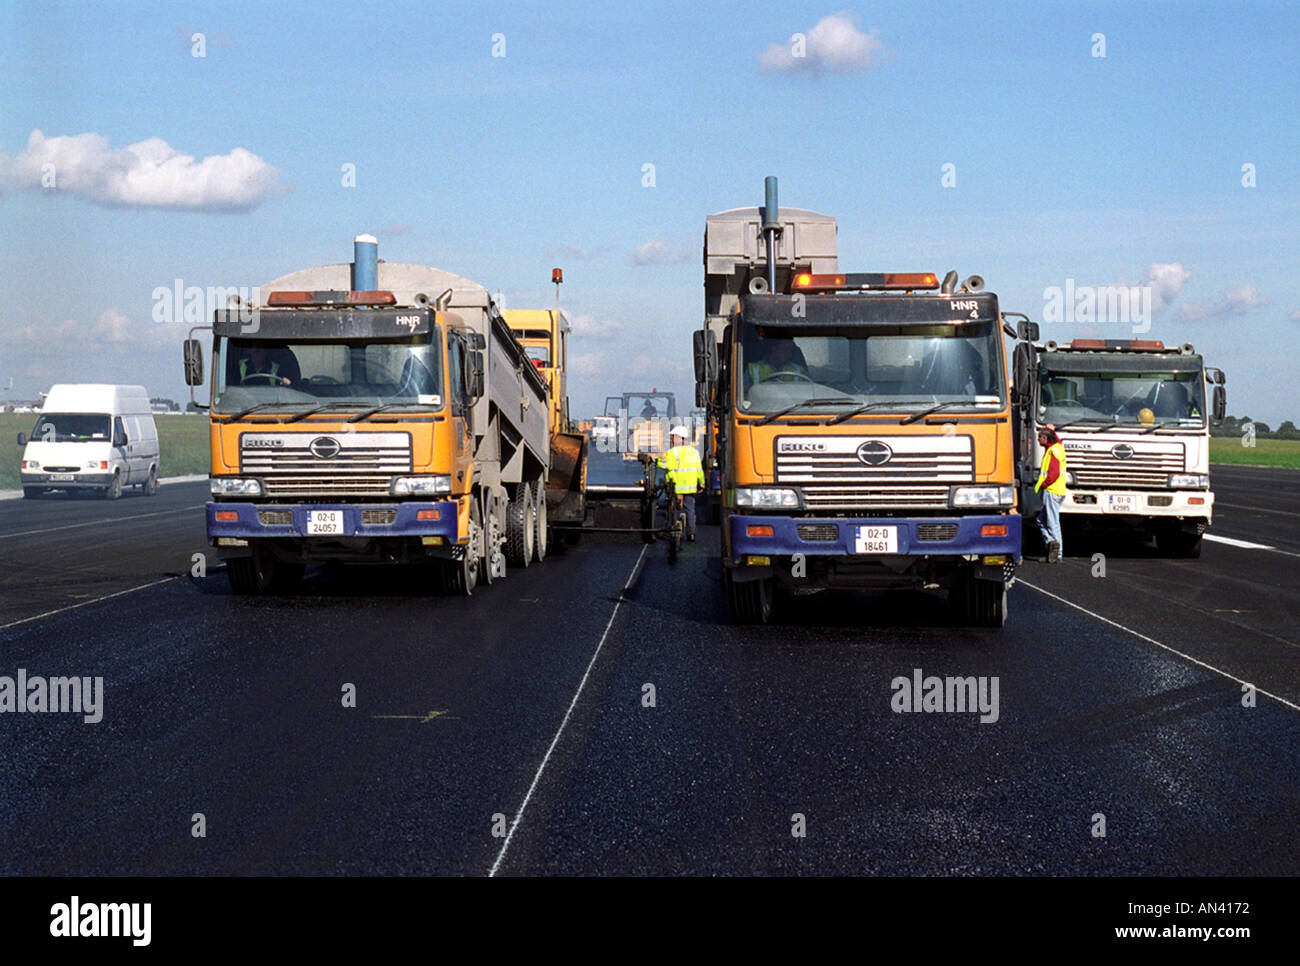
92 437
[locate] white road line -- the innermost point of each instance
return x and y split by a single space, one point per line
1257 509
91 523
1152 640
1234 542
636 567
1246 544
86 603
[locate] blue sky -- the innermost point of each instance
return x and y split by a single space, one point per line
1067 165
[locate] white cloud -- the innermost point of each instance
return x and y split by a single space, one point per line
112 326
834 46
590 327
147 174
1232 303
1295 316
1165 279
588 364
657 252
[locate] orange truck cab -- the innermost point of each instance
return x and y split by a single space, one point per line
865 435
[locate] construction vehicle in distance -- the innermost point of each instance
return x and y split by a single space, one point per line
544 334
644 419
864 435
1132 416
373 413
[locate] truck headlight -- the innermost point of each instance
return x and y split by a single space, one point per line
421 485
982 496
235 486
1069 477
765 497
1189 481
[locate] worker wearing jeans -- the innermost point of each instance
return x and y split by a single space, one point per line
685 473
1051 484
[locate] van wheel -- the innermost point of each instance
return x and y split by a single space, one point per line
114 489
31 492
150 487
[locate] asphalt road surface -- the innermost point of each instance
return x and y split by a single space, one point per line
510 732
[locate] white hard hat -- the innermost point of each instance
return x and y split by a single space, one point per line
680 431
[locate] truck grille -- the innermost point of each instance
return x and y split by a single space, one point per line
851 472
325 464
936 531
1095 466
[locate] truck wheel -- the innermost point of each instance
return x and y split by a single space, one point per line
31 492
750 600
1176 542
114 489
492 534
263 574
150 487
521 524
979 603
460 577
541 537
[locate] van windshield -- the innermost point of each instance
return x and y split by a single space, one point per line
72 427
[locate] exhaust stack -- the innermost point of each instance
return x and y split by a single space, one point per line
365 263
771 228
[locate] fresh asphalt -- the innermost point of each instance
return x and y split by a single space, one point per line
522 710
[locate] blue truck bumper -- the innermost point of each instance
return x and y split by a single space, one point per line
249 522
838 536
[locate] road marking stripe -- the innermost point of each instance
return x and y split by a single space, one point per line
1234 542
86 603
91 523
1152 640
1256 509
1246 544
636 567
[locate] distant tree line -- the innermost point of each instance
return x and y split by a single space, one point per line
1236 426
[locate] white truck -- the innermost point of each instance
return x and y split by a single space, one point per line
92 438
1134 420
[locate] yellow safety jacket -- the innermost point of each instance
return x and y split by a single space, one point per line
758 371
684 469
244 373
1051 474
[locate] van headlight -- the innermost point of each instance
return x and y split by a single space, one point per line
235 486
421 485
1189 481
766 497
982 496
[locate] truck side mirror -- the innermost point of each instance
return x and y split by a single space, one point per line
193 362
702 394
1220 403
476 376
706 356
1027 331
1020 376
22 439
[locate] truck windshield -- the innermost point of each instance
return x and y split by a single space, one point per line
893 367
72 428
252 372
1133 398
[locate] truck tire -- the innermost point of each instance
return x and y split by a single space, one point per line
979 603
750 600
460 577
114 489
263 574
1176 542
493 530
541 537
521 526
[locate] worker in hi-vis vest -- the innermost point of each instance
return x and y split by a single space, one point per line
268 367
685 472
775 356
1051 484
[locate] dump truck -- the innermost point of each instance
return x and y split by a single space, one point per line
544 335
861 422
372 412
1133 418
